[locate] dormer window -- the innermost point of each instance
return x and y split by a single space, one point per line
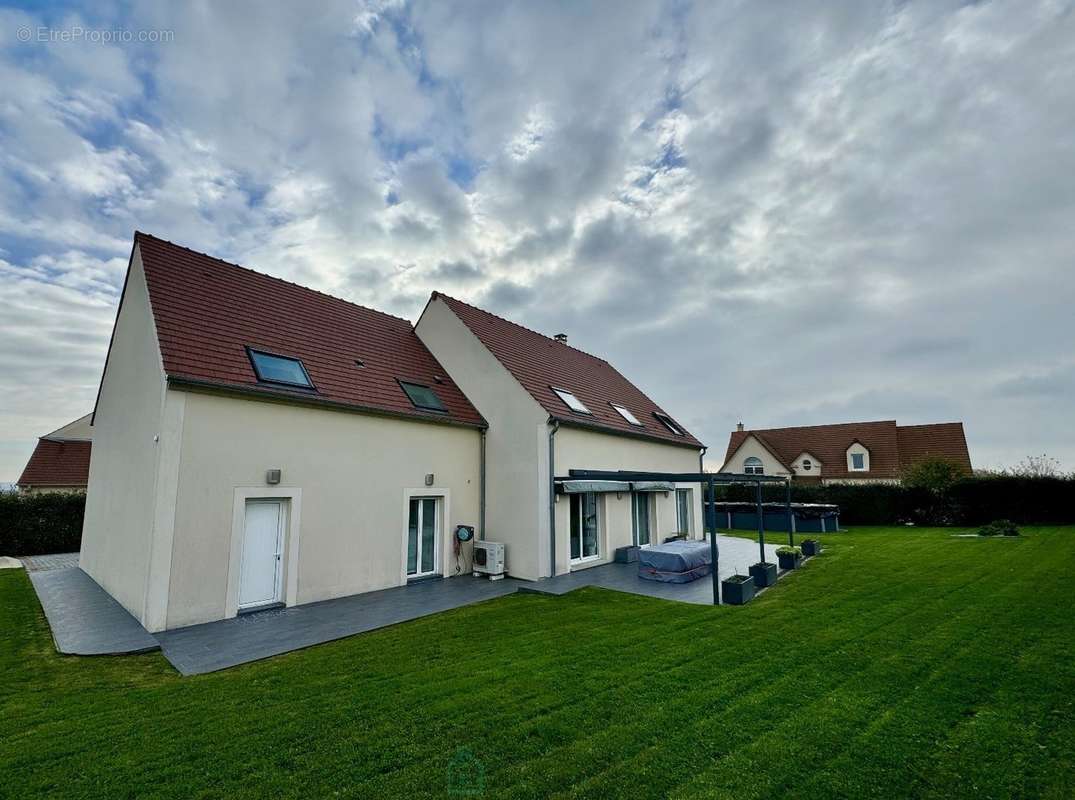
423 397
807 465
282 370
627 415
669 423
571 401
858 461
753 466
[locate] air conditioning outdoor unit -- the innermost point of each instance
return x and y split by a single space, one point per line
489 560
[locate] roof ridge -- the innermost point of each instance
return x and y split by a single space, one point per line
138 233
827 425
929 424
437 293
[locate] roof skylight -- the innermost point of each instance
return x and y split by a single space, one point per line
627 415
571 401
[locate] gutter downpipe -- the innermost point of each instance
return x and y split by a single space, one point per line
554 426
481 487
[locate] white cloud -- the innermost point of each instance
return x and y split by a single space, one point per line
867 205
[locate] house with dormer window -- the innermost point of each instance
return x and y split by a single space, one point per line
260 444
847 452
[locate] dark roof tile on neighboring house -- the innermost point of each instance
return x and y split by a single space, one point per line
540 363
892 447
939 440
208 312
58 462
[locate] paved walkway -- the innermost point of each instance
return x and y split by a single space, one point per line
250 637
84 618
735 555
54 561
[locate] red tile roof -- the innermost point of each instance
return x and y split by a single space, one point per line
57 462
208 311
892 447
539 363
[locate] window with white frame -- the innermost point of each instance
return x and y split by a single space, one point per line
807 464
858 461
683 511
640 518
753 466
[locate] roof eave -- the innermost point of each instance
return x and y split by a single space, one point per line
186 384
597 427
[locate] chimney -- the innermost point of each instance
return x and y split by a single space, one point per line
739 427
561 337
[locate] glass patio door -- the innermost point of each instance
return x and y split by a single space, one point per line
640 518
422 537
584 536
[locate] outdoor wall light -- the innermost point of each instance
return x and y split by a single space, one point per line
429 479
272 476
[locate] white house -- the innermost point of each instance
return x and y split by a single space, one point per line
552 408
852 452
258 443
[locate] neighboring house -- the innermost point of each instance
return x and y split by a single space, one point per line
552 408
61 460
259 443
847 452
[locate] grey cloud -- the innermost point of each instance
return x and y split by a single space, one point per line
844 210
458 272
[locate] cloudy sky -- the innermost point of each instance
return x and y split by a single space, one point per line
789 213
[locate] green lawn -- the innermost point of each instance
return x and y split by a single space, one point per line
901 663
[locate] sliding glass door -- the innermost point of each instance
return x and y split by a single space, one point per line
584 528
640 516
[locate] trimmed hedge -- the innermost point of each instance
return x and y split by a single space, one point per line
39 524
968 502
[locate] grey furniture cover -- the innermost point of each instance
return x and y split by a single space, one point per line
675 562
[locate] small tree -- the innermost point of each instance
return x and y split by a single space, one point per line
934 474
1037 467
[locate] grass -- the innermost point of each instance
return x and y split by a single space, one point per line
901 663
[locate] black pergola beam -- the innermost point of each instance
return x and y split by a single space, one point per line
676 477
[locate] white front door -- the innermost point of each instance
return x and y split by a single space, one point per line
262 563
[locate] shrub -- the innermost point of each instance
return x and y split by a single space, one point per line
999 527
789 551
38 524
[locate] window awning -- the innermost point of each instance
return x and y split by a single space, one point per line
653 486
577 487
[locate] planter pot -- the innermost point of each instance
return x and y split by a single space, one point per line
734 593
626 555
764 574
788 561
811 547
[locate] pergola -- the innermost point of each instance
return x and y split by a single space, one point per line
710 480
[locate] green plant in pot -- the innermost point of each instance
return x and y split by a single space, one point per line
789 557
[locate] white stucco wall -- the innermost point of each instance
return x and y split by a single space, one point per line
815 470
516 442
352 472
79 430
116 533
581 449
751 447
